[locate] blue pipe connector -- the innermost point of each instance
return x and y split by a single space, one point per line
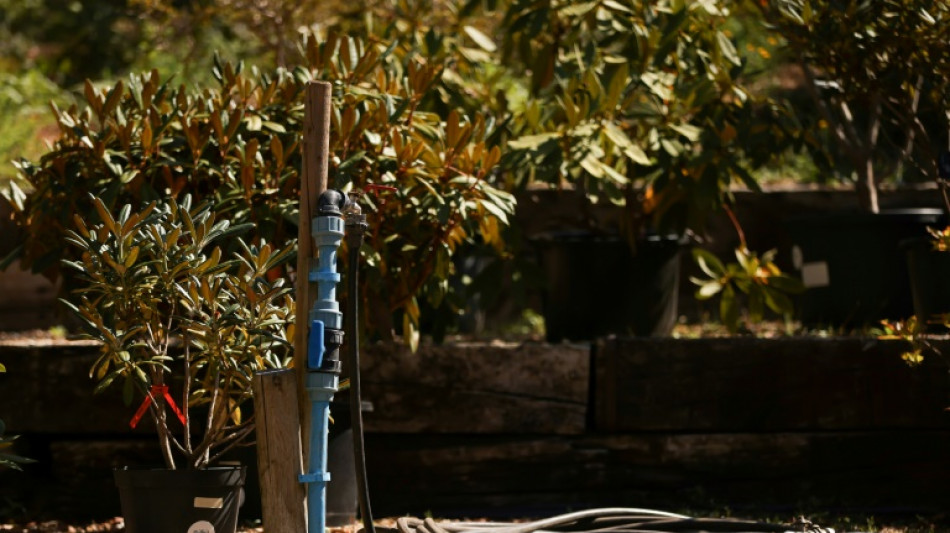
325 318
327 234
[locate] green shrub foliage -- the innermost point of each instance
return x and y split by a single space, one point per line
639 103
877 73
155 284
237 146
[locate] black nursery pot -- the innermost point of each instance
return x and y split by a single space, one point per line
180 501
853 265
342 495
597 285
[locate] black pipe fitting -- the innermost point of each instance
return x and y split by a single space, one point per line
331 203
332 340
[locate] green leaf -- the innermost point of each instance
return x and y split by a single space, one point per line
728 49
709 263
577 9
708 289
687 130
746 178
410 333
482 40
787 284
756 305
631 150
127 391
495 210
273 126
674 148
746 261
777 301
11 257
729 309
532 142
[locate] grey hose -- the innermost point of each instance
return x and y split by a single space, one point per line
609 520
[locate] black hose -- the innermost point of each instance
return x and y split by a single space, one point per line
354 239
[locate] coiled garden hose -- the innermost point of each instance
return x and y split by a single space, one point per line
608 520
354 239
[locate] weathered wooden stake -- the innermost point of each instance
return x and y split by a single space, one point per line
279 456
313 182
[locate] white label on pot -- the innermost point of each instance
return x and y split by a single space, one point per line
815 274
201 527
209 503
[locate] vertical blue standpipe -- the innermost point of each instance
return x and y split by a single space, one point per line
323 366
320 386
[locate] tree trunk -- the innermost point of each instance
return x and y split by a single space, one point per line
866 187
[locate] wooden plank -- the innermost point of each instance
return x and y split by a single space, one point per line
454 475
313 181
47 389
477 388
518 476
279 459
765 385
468 388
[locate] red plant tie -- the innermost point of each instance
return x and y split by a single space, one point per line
156 391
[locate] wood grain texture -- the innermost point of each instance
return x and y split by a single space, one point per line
491 475
746 384
313 181
477 388
47 389
279 458
486 430
516 476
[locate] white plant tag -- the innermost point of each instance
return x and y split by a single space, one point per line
209 503
815 274
201 527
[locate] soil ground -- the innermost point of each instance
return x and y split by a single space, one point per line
841 524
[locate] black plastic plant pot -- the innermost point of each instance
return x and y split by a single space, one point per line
180 501
342 495
853 266
597 285
929 271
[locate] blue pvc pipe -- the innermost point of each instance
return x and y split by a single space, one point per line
327 234
320 386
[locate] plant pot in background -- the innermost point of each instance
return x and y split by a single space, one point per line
181 501
342 496
929 272
853 267
596 285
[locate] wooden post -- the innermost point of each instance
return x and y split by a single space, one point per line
280 397
279 458
313 182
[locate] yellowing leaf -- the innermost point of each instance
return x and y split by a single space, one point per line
482 40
